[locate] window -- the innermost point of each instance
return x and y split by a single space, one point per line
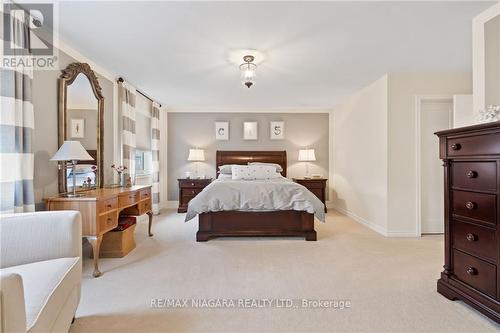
143 161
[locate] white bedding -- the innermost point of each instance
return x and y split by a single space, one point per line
255 195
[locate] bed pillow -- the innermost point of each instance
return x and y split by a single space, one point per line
224 177
226 169
277 166
254 172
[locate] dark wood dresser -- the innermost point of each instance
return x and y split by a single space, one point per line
471 157
188 189
316 186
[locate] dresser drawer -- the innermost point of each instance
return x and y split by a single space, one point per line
486 144
108 204
475 272
144 207
476 240
478 206
475 175
145 194
128 199
108 221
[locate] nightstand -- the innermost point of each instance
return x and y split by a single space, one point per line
188 189
315 185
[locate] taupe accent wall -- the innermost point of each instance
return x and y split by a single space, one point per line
191 130
45 88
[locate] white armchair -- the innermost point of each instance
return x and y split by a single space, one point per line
40 271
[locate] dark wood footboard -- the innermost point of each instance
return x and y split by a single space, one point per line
285 223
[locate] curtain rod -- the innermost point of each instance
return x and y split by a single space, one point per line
120 79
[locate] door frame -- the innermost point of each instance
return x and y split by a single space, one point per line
419 100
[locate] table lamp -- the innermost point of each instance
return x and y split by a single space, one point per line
196 155
71 152
307 155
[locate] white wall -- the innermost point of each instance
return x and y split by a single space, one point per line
463 112
402 183
359 171
492 61
478 55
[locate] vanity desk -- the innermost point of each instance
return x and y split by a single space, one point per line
100 209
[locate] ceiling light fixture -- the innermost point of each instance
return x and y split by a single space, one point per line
248 69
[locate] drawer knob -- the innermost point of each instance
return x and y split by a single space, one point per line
192 184
471 174
109 220
109 206
471 237
456 146
470 205
471 271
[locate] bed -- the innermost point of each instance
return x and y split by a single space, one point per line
294 219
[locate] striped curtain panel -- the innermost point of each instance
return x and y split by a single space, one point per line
16 128
127 113
155 153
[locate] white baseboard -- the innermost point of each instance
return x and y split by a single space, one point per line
169 204
378 229
401 234
361 220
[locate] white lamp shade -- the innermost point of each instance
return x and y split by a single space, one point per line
196 155
71 151
307 155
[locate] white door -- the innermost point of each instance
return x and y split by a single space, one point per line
434 116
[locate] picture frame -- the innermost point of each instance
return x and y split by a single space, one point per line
222 130
277 130
77 128
250 130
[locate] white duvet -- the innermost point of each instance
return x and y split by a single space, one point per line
255 195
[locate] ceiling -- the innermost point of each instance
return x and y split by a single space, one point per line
315 53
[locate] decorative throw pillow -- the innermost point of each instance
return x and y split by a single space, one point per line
277 166
254 172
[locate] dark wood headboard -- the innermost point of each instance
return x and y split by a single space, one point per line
243 157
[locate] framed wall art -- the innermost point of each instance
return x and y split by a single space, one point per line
277 129
250 130
221 130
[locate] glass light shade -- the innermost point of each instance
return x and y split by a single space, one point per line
196 155
71 151
306 155
248 73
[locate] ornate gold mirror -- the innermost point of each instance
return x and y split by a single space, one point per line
81 118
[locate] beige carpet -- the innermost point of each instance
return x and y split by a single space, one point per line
391 283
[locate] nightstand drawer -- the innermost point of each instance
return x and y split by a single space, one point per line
475 240
190 192
312 183
195 183
480 207
475 272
